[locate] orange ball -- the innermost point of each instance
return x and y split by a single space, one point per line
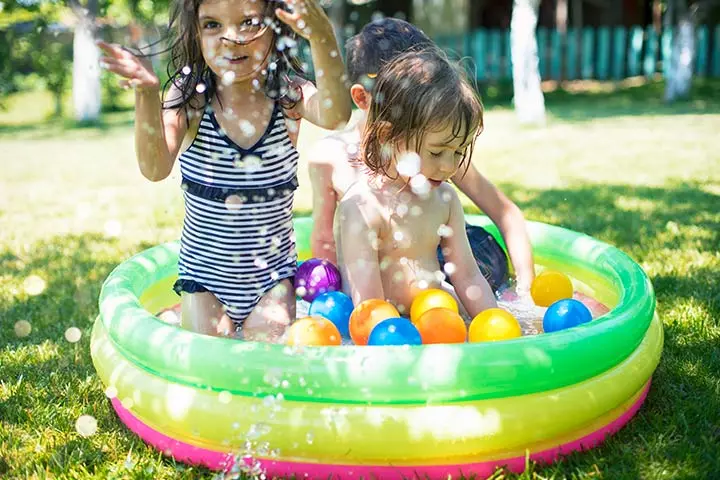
441 325
313 331
492 325
368 314
549 287
431 298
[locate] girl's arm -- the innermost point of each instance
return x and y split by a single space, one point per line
508 218
328 105
470 285
357 241
324 203
158 133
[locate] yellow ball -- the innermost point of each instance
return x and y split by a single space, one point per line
492 325
549 287
429 299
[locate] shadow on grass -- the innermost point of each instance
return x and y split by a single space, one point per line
676 228
51 381
73 269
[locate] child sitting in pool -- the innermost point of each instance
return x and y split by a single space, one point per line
422 121
334 164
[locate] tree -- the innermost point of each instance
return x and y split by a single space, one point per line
86 69
680 72
527 91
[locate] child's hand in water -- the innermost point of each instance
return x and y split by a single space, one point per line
137 72
307 19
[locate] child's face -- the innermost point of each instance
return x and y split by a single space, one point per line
234 37
441 154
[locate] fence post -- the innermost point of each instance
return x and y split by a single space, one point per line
587 53
495 53
556 55
572 53
619 53
635 50
649 65
701 51
666 45
508 56
479 53
716 53
603 53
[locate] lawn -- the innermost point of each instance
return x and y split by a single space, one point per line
620 166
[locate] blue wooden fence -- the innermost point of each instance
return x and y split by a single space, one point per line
604 53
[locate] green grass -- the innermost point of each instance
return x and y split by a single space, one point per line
620 166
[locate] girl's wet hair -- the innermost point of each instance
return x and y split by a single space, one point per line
416 93
187 68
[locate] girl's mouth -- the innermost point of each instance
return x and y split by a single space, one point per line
236 60
435 183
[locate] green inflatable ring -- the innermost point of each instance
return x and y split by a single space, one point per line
389 375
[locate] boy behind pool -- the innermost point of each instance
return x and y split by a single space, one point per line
335 164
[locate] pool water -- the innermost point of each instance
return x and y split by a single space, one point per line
527 313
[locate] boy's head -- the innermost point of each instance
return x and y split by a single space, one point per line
378 43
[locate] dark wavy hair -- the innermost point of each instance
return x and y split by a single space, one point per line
416 93
186 54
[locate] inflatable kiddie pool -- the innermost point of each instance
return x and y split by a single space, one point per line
430 411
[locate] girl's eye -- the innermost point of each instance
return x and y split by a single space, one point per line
211 25
434 154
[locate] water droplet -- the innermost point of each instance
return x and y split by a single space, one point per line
228 77
86 425
73 334
408 164
419 185
113 228
34 285
22 328
186 70
200 88
301 24
309 438
445 231
225 397
111 391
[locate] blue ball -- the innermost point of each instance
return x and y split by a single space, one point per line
395 331
566 313
336 307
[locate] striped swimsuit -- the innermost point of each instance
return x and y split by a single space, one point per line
237 240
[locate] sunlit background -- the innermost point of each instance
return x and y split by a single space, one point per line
611 130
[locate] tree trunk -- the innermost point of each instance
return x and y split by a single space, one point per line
86 71
679 75
528 96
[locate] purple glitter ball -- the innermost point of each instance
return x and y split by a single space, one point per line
315 276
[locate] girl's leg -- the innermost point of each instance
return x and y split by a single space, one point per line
272 315
203 313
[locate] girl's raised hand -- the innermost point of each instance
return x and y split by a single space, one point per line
137 72
307 19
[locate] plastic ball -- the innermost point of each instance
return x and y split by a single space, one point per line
549 287
492 325
565 314
395 331
441 325
431 298
313 331
368 314
316 276
336 307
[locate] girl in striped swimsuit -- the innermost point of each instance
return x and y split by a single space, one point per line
230 112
